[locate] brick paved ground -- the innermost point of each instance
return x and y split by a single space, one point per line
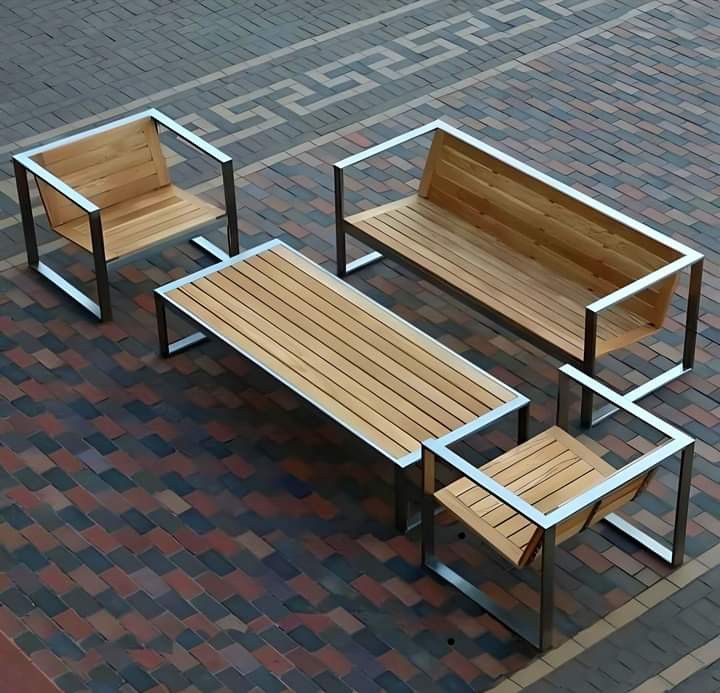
188 524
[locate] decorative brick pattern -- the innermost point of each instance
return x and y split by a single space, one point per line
188 523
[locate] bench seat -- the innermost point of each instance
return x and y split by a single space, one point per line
143 221
371 371
479 263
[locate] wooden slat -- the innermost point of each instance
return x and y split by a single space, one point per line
555 264
547 471
391 377
153 140
533 274
112 140
598 239
514 309
108 168
520 475
564 483
453 368
99 163
333 399
484 268
501 544
143 221
315 346
514 285
618 498
421 371
471 269
528 222
436 151
563 200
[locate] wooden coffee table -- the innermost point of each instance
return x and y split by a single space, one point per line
382 379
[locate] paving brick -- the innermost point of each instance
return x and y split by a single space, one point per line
155 469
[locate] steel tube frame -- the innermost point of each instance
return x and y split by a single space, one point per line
688 258
404 520
404 523
678 442
102 308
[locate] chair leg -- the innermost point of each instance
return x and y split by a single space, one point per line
28 223
340 248
402 499
101 268
589 357
523 423
427 546
233 239
681 510
547 590
340 251
161 317
693 315
33 255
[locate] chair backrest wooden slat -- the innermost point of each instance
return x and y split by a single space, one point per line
553 227
110 167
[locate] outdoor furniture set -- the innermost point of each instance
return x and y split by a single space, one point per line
562 269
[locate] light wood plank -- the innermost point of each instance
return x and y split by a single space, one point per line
563 200
328 396
452 366
314 346
389 376
422 373
143 221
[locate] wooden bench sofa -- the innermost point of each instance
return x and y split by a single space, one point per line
109 191
546 490
386 382
565 271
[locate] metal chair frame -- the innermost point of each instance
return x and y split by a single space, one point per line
101 309
678 442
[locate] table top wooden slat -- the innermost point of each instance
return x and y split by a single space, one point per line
390 383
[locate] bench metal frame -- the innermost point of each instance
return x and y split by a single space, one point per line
101 309
690 259
403 521
677 442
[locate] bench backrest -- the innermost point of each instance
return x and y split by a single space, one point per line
589 516
544 223
109 167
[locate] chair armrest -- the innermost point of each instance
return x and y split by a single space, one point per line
568 372
677 442
384 146
54 182
189 137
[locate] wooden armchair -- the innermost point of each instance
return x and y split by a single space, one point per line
544 491
109 191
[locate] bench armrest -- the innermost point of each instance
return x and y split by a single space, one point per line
189 137
54 182
384 146
626 292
